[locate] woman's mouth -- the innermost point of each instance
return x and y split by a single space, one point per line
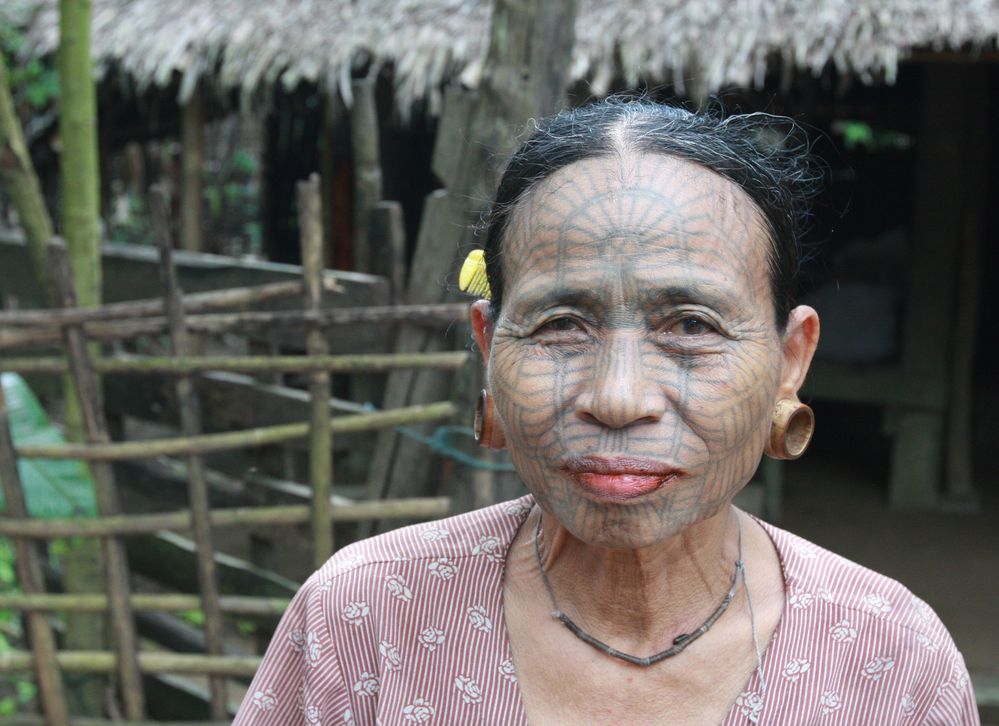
620 477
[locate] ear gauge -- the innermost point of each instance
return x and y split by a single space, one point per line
487 431
472 278
791 429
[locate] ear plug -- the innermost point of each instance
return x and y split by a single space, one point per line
472 278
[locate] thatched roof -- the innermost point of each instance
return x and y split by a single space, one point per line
250 45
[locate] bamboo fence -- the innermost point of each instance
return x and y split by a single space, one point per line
74 329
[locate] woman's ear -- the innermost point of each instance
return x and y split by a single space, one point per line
799 341
482 327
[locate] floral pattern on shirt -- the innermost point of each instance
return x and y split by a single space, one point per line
408 628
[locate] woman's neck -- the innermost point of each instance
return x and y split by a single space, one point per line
641 599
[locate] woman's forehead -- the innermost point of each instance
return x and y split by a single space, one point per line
634 207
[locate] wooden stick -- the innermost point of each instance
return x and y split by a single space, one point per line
190 425
211 443
169 603
140 365
320 438
134 524
387 241
200 302
430 315
95 430
29 573
98 661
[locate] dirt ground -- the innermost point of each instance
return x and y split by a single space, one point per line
836 496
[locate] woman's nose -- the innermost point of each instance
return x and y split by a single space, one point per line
622 390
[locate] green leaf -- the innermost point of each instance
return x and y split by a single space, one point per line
52 488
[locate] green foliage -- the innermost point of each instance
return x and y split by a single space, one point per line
15 690
52 488
243 162
34 82
232 204
861 135
131 225
194 617
246 627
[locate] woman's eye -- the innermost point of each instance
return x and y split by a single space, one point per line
560 325
691 326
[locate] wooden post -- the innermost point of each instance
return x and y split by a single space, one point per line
320 434
387 245
332 113
95 432
191 163
190 425
29 573
367 169
946 160
960 477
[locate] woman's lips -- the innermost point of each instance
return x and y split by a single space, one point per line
618 477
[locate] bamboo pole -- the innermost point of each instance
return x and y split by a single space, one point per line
79 177
29 573
320 438
211 443
97 661
426 315
138 365
168 603
234 297
136 524
190 425
78 158
95 430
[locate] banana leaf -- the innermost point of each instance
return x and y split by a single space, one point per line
52 488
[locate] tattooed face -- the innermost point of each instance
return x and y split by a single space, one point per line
635 361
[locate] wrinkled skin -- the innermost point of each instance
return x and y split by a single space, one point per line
638 321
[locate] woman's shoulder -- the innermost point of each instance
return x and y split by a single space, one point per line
817 578
867 639
436 549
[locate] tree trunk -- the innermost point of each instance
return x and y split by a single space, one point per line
20 183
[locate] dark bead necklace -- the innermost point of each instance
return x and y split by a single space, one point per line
679 642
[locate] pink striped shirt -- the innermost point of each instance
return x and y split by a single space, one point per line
408 628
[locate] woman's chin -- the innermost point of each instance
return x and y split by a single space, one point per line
617 524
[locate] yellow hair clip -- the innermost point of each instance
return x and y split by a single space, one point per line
472 278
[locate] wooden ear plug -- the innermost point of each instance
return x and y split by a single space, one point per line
487 432
791 430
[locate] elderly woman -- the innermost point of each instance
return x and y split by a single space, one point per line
642 353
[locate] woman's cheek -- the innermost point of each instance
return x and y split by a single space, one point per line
524 385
